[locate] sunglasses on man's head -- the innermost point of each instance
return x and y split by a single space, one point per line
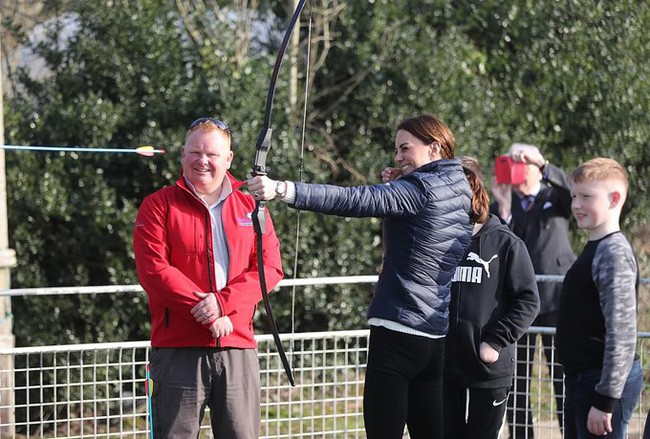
216 122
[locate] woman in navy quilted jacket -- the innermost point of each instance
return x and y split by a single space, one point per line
426 228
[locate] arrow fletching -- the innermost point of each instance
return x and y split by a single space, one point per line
148 151
148 383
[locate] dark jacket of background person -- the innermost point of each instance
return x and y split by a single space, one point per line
545 231
170 270
426 229
493 300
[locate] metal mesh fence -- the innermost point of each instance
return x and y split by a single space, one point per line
97 390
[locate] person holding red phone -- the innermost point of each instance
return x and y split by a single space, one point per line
538 210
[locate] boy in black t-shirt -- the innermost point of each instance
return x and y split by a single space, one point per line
597 324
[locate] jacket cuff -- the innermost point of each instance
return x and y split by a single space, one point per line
603 403
290 196
221 304
494 342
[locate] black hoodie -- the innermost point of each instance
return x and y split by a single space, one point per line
494 299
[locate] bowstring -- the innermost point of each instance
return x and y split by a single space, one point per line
301 169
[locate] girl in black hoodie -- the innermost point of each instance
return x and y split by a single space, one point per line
494 300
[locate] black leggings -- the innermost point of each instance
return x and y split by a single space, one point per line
403 385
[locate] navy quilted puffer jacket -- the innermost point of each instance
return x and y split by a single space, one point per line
426 229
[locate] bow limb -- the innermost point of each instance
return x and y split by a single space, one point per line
262 148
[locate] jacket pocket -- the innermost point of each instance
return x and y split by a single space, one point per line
505 365
468 340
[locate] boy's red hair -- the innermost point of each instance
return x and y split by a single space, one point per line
600 168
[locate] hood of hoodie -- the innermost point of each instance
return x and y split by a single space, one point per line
491 224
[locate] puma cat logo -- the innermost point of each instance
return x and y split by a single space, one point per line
486 264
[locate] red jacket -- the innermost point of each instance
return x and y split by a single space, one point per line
172 240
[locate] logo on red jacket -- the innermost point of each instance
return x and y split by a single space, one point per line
246 221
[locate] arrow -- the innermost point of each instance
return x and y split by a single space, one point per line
147 151
148 388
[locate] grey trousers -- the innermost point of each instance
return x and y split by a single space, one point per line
187 380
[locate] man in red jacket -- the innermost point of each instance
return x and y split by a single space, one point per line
195 254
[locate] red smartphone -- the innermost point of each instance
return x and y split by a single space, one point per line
508 171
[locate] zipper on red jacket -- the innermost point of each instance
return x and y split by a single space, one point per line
210 252
211 260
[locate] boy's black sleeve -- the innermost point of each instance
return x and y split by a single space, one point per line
614 272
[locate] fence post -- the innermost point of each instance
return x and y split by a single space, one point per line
7 260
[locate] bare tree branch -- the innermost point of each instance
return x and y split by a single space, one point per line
194 34
345 88
328 153
245 12
214 29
